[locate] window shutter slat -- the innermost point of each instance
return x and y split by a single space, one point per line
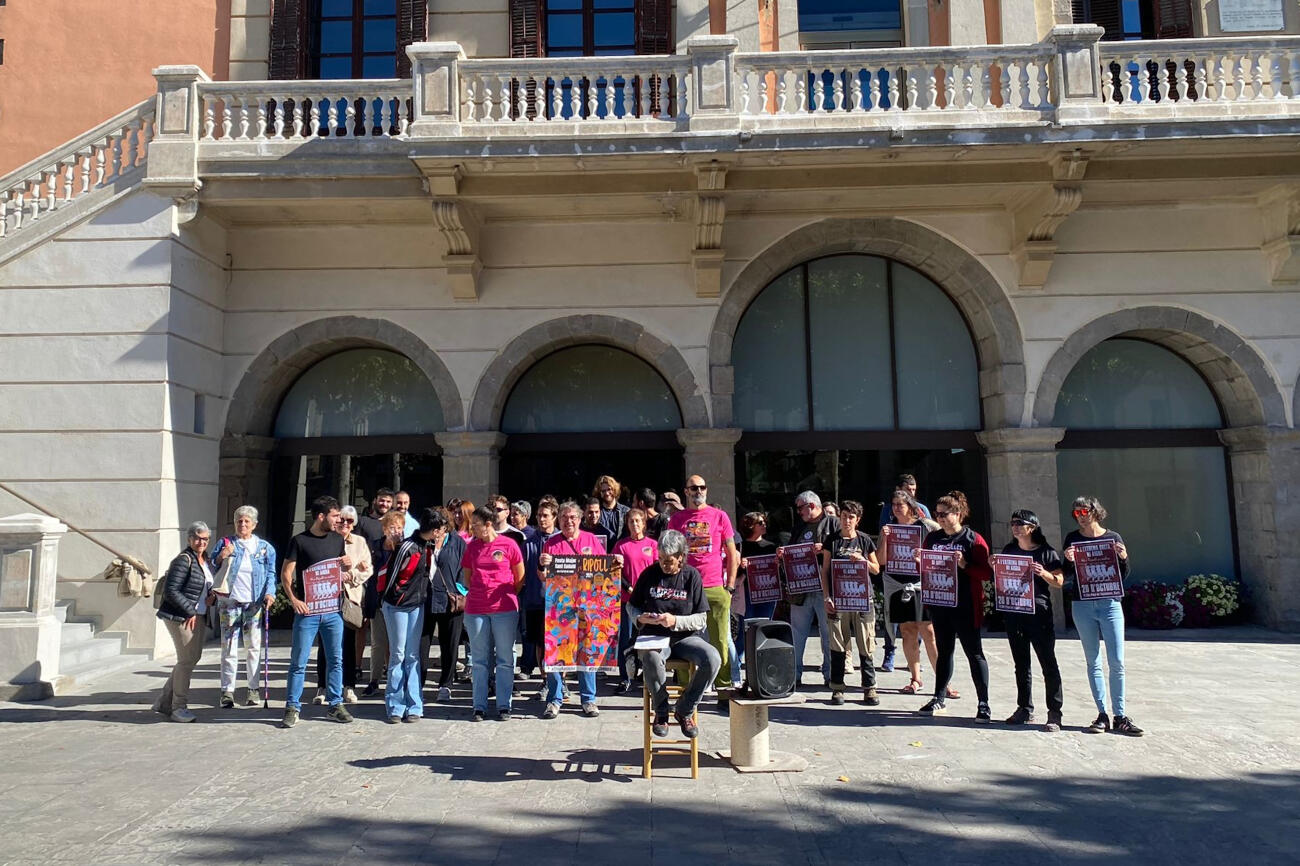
289 40
654 27
525 28
1106 13
1173 19
412 26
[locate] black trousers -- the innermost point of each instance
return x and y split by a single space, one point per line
349 659
950 626
449 627
1039 632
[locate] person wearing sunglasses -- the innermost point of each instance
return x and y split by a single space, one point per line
1037 629
813 527
186 592
1100 620
960 623
902 594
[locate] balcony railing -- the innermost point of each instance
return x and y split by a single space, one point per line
1247 73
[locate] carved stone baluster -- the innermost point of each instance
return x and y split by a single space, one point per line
683 97
332 116
593 100
818 104
244 120
893 89
68 173
1107 83
1022 76
353 125
575 98
209 117
648 83
226 121
101 150
262 121
297 117
968 86
912 94
873 87
1294 64
1275 76
4 216
315 126
1004 85
1162 81
1144 82
986 86
764 90
1239 82
1220 80
609 97
34 200
85 158
52 189
800 91
1257 75
1202 79
525 84
782 90
17 197
1044 91
742 83
1180 82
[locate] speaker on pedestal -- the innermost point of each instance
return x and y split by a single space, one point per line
769 658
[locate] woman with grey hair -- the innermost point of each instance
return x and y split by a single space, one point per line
668 603
186 594
249 591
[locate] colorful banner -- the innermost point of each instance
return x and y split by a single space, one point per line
801 571
900 550
851 585
1013 583
763 579
1096 570
322 586
582 613
939 578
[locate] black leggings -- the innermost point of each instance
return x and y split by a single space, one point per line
449 626
349 659
948 629
1038 632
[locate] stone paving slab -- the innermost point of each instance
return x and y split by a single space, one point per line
96 777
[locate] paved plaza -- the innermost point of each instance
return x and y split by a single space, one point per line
96 777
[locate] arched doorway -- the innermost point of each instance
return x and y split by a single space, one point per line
354 422
586 411
1141 434
850 370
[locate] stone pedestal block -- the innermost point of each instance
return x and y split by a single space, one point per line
471 464
710 452
29 631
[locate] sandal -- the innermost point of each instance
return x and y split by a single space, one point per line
953 694
912 688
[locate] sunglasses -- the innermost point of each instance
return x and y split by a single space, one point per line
1021 523
1081 512
503 510
938 513
348 521
697 487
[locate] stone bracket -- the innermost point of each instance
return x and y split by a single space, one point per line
710 214
460 228
1037 222
1280 210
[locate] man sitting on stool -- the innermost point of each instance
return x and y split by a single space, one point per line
669 602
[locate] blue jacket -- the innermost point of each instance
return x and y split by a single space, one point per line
534 594
265 577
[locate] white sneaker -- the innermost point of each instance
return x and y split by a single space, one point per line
182 715
444 695
349 696
320 697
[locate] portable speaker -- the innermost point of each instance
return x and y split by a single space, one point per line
769 658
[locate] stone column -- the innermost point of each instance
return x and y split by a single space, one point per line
1266 492
710 452
471 464
243 479
1022 474
435 76
29 631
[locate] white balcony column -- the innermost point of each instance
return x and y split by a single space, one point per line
1076 73
173 154
435 75
29 631
711 103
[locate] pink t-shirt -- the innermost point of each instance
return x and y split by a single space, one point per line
637 556
707 532
583 543
492 586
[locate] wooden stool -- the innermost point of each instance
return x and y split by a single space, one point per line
684 670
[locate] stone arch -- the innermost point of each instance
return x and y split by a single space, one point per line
1236 372
257 398
979 296
537 342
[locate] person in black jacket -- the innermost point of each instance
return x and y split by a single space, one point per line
442 611
404 587
186 594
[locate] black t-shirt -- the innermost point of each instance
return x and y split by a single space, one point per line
1076 537
656 525
963 541
840 547
306 549
815 532
680 594
1049 558
370 529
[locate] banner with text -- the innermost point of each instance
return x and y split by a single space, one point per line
763 579
900 550
939 578
1013 583
322 586
583 595
1096 569
851 586
801 571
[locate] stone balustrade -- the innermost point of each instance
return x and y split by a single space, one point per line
280 110
1223 77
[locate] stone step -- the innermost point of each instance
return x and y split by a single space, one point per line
89 671
82 652
74 633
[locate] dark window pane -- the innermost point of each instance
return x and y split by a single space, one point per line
335 37
336 8
824 15
380 7
379 66
553 5
335 67
564 52
614 28
381 35
614 4
564 31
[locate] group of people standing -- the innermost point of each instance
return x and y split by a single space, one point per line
480 571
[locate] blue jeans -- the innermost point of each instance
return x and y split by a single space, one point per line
1097 621
626 658
305 629
555 689
402 695
801 619
492 635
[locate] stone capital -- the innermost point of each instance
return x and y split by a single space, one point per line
1259 438
708 437
486 443
1008 440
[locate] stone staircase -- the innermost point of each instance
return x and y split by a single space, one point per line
86 653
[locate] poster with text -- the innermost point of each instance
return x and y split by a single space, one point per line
322 586
583 595
1096 569
802 573
1013 583
764 579
900 550
939 578
851 586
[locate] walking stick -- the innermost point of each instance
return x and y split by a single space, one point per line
266 657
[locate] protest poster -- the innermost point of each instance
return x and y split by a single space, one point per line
939 578
583 610
1096 569
802 573
900 550
851 585
1013 583
763 579
322 586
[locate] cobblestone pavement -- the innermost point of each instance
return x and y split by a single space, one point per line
96 777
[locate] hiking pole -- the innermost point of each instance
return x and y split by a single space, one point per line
266 657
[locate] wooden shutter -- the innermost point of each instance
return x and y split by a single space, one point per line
290 51
1173 19
526 28
412 26
1105 13
654 27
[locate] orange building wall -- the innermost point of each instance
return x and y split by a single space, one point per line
69 65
